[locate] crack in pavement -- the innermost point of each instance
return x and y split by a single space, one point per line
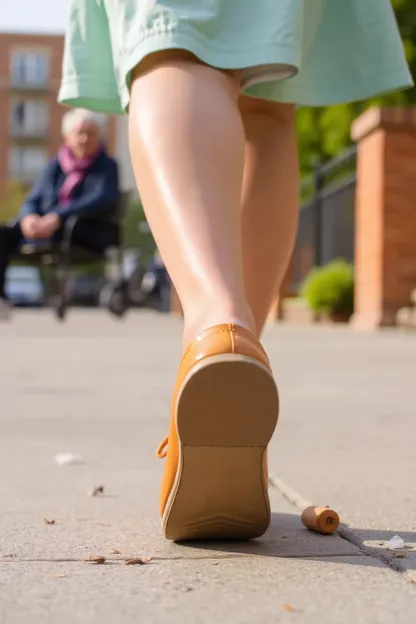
343 531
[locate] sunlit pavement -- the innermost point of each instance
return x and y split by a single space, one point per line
99 388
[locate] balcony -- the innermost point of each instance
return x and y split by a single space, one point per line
20 83
28 134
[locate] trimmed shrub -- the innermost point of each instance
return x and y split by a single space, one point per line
329 290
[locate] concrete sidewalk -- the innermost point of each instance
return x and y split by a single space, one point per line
101 388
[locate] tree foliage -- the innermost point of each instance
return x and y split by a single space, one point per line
324 132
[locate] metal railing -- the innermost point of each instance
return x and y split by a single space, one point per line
23 84
327 217
17 132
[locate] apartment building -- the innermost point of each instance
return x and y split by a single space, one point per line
30 117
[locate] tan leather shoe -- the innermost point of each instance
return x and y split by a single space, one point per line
224 411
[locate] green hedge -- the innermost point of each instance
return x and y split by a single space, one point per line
329 290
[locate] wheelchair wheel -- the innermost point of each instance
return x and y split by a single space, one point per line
114 297
59 299
59 307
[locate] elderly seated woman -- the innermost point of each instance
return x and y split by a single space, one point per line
81 179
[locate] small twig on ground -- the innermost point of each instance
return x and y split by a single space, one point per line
98 559
138 561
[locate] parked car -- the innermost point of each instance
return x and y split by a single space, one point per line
84 290
24 286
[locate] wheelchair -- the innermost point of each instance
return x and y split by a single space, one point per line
60 257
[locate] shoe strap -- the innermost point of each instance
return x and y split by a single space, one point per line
161 450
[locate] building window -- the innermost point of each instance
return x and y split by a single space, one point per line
28 118
29 69
27 163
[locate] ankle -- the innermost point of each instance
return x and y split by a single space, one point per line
195 324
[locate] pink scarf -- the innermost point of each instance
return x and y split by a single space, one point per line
76 169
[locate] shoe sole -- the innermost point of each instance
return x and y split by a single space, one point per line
227 411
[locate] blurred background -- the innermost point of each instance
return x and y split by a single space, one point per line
31 47
31 50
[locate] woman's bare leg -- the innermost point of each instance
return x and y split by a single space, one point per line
187 146
270 200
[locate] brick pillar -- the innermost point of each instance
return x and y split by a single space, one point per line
385 222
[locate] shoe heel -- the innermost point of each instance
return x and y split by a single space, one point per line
227 411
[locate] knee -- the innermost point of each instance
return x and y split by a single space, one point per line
278 112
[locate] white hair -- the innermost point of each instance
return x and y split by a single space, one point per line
78 115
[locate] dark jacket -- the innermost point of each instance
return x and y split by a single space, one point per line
97 193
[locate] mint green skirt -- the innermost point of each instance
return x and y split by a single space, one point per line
308 52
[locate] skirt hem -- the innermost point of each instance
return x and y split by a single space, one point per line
88 93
